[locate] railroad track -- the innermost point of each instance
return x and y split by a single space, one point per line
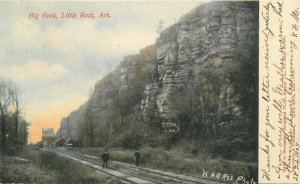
132 174
178 177
121 176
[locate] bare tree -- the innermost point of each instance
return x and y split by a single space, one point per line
5 100
160 26
17 101
11 103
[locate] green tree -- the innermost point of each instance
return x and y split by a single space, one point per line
195 107
87 125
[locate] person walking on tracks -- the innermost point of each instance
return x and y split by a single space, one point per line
137 157
105 158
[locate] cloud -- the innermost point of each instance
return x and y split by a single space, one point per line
33 70
76 37
80 37
25 33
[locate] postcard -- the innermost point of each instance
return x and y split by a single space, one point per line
149 92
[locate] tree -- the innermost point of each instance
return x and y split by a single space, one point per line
4 104
87 125
195 106
11 103
245 83
160 26
17 104
23 131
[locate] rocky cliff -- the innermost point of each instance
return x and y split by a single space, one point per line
69 125
214 38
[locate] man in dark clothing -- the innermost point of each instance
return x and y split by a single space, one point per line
137 157
105 158
250 174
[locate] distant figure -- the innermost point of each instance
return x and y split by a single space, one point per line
250 173
137 157
105 158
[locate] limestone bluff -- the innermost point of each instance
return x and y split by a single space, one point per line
215 38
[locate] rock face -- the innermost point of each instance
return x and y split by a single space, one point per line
212 38
115 86
69 124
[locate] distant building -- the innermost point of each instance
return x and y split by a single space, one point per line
47 136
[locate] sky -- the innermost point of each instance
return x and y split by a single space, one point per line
56 62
